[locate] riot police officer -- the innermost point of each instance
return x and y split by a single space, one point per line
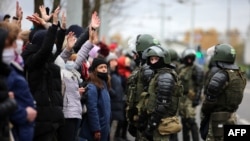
223 91
191 75
138 81
160 102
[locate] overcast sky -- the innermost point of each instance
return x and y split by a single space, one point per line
144 16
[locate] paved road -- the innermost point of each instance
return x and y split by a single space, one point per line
243 113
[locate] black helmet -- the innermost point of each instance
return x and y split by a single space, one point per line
160 52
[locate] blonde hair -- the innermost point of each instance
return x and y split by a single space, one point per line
24 35
73 57
13 31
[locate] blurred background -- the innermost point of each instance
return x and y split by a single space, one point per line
176 23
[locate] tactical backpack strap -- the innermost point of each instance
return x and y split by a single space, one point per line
243 76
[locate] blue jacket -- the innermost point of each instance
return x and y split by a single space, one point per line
17 84
23 129
117 97
98 113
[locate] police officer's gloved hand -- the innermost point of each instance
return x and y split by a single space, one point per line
148 134
152 124
132 130
142 121
196 102
131 113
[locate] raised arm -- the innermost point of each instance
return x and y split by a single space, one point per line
95 23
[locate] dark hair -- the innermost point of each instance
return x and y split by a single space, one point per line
7 16
97 81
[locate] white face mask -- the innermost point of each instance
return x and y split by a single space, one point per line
69 65
19 46
54 49
8 55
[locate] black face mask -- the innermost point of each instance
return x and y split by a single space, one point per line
157 65
137 61
103 76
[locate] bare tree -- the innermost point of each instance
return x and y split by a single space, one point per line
37 3
55 4
89 6
85 13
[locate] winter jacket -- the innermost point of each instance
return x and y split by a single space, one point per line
98 113
23 130
44 79
7 105
117 97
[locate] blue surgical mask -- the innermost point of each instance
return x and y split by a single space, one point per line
8 55
19 46
69 65
54 49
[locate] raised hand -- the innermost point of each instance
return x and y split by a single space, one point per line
33 19
39 19
95 21
55 15
63 20
36 19
44 13
71 40
19 11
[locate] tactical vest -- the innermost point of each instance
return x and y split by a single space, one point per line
232 94
135 87
186 76
148 99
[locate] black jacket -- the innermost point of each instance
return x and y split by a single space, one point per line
44 78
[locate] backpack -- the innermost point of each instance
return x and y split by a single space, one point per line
232 94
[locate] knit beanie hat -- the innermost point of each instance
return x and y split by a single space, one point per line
96 62
111 56
104 50
76 29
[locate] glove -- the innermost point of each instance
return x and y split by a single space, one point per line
130 114
132 130
196 102
142 122
151 126
148 134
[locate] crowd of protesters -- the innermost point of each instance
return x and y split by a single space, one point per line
59 82
48 71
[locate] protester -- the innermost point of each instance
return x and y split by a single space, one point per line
96 124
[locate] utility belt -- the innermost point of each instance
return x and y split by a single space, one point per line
219 119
